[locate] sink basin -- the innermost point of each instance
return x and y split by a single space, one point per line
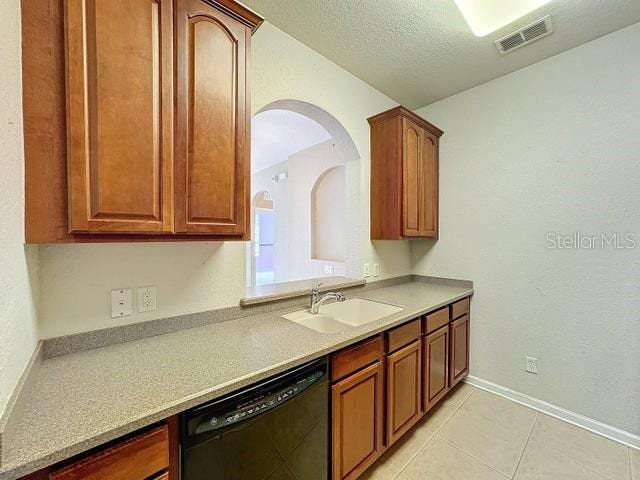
319 323
358 311
341 316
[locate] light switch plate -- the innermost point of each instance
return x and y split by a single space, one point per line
367 270
147 299
121 303
376 269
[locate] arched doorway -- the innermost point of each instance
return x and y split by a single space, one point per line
298 150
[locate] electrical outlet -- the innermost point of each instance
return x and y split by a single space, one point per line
146 299
376 269
121 302
328 269
532 365
367 270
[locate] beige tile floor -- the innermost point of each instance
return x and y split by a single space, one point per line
475 435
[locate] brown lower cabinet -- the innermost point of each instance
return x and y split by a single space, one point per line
404 378
357 421
151 454
383 388
459 357
436 366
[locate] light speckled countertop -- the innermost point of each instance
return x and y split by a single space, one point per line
85 399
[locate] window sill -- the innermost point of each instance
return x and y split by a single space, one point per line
287 290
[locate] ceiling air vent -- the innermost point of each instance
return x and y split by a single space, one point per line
525 35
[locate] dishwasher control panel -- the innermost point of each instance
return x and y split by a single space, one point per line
257 406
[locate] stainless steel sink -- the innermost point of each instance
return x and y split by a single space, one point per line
342 316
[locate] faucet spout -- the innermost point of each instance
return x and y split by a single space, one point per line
317 301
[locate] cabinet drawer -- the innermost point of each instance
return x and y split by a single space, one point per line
436 320
354 358
460 308
137 458
404 335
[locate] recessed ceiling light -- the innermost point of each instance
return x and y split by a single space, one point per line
487 16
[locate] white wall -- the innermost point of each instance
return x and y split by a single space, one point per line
292 211
328 217
551 148
76 279
18 266
305 168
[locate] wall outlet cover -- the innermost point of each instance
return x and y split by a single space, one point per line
121 302
532 365
376 269
367 270
146 299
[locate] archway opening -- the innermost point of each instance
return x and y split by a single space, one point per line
307 162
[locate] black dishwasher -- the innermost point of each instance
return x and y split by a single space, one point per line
275 430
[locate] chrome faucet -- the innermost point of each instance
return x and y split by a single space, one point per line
317 301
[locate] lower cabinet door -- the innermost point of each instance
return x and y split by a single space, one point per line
357 417
404 381
436 366
459 366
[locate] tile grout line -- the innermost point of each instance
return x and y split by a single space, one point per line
535 423
630 466
435 434
587 467
462 407
453 445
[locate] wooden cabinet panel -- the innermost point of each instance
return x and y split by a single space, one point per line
436 320
403 335
428 183
436 366
138 458
119 119
357 418
354 358
412 159
460 308
100 103
404 176
212 144
404 381
459 367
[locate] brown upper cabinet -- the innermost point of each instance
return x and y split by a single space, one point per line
404 176
152 140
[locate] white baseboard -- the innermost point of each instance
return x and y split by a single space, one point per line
612 433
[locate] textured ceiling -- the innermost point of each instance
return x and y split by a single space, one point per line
420 51
278 134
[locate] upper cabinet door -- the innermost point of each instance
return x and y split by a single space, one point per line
212 122
412 168
428 206
119 115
